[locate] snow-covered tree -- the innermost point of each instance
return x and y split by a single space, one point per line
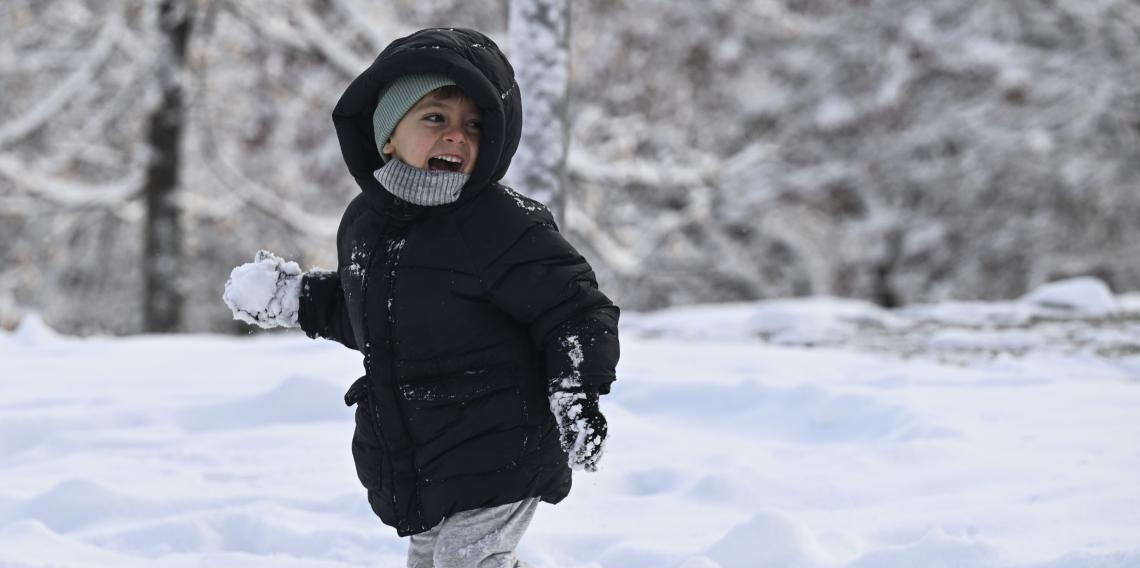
892 150
540 51
724 150
162 245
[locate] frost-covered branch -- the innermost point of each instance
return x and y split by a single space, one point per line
540 48
48 106
597 169
306 34
267 201
67 193
378 31
345 59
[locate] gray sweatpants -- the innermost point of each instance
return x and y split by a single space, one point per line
480 538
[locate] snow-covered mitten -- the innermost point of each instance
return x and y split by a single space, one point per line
581 425
265 292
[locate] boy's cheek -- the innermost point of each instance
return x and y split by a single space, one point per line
470 165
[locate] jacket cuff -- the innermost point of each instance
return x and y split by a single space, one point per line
583 354
315 284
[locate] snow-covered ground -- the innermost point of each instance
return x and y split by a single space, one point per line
792 433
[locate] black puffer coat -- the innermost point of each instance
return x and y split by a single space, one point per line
461 311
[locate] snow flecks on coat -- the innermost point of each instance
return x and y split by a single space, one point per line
421 393
525 204
394 248
355 269
580 440
356 261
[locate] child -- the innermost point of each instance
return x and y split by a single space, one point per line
485 340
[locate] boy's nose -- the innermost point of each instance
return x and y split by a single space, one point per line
455 134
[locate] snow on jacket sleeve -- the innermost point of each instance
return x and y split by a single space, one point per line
542 281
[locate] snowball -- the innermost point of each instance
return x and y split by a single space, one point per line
265 292
252 284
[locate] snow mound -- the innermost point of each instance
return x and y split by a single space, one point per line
819 320
805 414
969 314
32 539
296 399
699 562
1085 295
1007 340
159 538
816 321
935 550
78 502
700 322
770 539
1130 559
33 331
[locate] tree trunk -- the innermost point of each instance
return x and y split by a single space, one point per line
540 53
162 250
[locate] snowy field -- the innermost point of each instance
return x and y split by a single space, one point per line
784 434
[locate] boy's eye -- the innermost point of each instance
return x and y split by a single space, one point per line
434 117
475 124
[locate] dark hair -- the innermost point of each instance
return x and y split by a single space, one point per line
448 92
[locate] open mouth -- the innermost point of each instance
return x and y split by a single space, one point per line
445 162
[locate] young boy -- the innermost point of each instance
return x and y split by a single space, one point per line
485 340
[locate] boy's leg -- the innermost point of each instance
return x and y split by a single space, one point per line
421 548
484 538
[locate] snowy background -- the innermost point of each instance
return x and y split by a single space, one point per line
782 434
726 150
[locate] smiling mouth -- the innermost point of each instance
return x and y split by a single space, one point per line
445 163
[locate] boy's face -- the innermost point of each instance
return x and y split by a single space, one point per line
438 134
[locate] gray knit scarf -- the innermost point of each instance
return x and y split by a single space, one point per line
422 187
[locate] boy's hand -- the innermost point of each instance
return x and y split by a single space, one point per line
265 292
581 425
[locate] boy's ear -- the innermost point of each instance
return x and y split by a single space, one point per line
389 147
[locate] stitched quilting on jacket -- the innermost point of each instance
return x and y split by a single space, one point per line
460 311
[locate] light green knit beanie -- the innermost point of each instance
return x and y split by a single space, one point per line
400 96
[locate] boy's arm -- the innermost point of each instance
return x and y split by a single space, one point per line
322 310
542 281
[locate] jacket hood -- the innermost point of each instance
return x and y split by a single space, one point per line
476 65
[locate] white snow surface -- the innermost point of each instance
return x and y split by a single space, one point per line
796 433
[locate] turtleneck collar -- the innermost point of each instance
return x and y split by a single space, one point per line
422 187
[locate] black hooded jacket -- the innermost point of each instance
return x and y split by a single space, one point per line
462 311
